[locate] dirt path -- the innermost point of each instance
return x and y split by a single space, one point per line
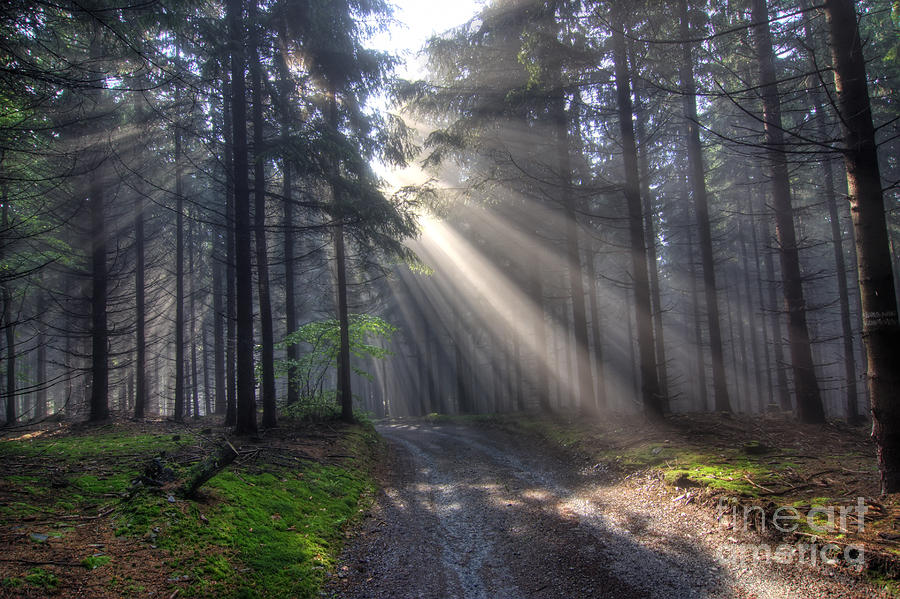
467 513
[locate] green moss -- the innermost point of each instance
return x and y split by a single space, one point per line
261 531
92 562
755 448
886 583
21 480
126 587
42 579
728 470
95 485
18 510
95 466
87 446
284 526
13 582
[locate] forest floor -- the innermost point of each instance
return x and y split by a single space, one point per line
518 506
473 507
73 523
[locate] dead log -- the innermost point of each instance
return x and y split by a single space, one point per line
200 473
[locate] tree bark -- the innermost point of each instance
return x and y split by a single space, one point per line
140 367
697 176
179 279
881 330
218 329
267 350
837 241
192 316
806 385
702 386
462 393
200 474
245 422
784 396
344 391
840 273
751 313
230 274
584 387
10 330
99 406
540 331
596 329
640 124
761 298
650 392
207 396
290 287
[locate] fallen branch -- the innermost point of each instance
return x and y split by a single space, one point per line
99 515
207 469
758 486
31 562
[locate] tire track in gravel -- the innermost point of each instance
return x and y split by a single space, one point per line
474 514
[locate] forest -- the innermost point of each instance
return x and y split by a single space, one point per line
239 214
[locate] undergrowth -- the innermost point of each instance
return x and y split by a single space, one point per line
76 473
261 529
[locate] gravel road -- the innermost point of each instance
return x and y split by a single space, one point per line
472 513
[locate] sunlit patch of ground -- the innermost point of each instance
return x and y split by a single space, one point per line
737 462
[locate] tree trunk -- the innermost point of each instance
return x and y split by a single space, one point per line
702 386
230 274
200 473
218 330
462 393
290 287
267 350
596 329
640 123
40 394
344 391
540 331
10 330
431 390
840 268
179 279
761 298
11 412
99 403
806 385
650 392
784 396
68 407
207 396
751 313
584 386
852 403
245 422
140 367
192 298
697 176
881 330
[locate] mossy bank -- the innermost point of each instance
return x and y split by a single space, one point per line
268 526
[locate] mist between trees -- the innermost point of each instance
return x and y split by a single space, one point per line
606 207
